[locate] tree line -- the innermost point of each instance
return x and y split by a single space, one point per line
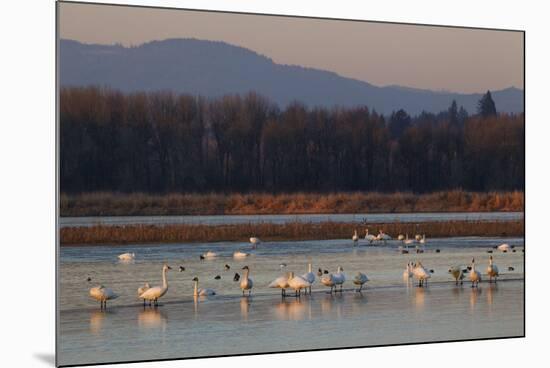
163 142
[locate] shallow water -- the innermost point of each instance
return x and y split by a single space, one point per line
281 219
389 311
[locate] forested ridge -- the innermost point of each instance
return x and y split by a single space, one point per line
162 142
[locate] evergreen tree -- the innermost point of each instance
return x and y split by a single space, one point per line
486 106
453 113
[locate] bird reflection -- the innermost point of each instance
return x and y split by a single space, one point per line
420 298
293 310
151 318
332 304
490 290
473 297
245 307
97 318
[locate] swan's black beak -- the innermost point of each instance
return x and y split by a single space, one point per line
169 267
195 279
245 268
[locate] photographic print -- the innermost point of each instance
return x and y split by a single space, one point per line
235 184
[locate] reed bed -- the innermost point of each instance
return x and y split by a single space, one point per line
105 234
140 204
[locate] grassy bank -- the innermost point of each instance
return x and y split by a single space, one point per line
102 234
117 204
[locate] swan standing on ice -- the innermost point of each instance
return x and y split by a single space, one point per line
201 292
127 256
475 276
246 282
255 242
339 278
422 274
328 280
153 294
383 236
408 272
280 282
458 275
360 279
369 237
492 270
309 277
297 283
102 294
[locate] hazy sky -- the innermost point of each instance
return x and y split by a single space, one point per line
461 60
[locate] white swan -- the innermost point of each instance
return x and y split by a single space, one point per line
127 256
339 277
297 283
418 237
154 293
210 255
421 274
201 292
143 289
355 237
255 242
423 239
240 255
408 272
246 282
369 237
328 280
309 277
401 237
492 270
102 294
360 279
383 236
457 274
504 247
475 276
407 241
280 282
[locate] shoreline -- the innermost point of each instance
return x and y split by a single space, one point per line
294 231
182 204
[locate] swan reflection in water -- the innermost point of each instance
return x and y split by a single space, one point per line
97 319
245 307
475 292
151 318
293 310
420 298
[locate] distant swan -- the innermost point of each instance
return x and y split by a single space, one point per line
102 294
408 273
328 280
457 274
127 256
360 279
355 237
201 292
383 236
339 277
475 276
421 274
240 255
246 282
369 237
297 283
492 270
504 247
209 255
153 294
280 282
255 241
309 277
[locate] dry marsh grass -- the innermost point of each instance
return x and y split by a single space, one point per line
139 204
103 234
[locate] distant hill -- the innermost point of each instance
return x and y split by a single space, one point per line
216 68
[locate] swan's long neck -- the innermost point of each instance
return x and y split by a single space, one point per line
473 266
164 280
246 273
309 267
196 290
